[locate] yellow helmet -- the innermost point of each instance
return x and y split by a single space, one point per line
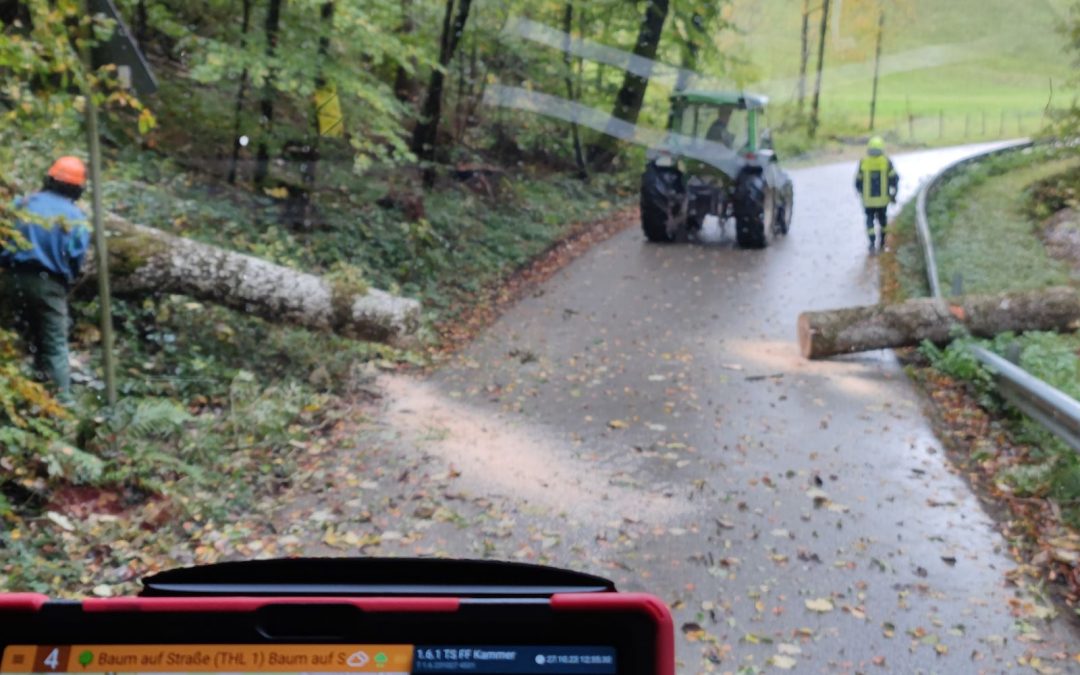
876 143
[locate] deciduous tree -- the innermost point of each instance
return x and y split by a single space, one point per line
631 94
425 135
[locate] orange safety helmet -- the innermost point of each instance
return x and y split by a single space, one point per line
70 170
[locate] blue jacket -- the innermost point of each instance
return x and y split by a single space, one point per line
59 247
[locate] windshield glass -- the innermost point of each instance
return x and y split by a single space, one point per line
690 122
728 125
535 281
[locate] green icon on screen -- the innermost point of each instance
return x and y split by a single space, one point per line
86 658
380 659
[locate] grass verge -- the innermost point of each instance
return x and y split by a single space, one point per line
981 225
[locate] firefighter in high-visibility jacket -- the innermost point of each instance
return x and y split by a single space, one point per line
877 183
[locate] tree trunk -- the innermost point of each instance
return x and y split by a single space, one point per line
695 31
12 11
474 93
427 129
804 54
568 63
143 260
241 94
326 30
632 93
468 100
907 324
299 202
141 24
266 106
404 82
815 106
459 99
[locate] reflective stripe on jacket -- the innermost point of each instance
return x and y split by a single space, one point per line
876 181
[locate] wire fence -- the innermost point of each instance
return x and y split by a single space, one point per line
942 124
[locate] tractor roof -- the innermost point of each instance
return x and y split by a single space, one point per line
738 98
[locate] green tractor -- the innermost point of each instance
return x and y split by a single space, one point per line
717 160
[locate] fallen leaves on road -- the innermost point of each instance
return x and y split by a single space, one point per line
821 605
1037 529
784 662
474 318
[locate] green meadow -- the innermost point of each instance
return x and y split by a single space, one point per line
959 68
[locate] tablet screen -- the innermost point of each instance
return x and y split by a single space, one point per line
344 659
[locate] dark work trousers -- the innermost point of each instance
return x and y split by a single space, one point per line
39 301
882 218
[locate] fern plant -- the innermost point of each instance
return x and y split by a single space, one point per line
139 439
62 461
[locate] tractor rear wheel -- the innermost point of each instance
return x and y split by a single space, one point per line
755 212
662 204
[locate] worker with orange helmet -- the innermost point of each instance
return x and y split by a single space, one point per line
39 274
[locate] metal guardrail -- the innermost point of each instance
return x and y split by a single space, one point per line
1051 407
1054 409
922 231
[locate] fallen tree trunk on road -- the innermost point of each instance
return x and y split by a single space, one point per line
906 324
144 260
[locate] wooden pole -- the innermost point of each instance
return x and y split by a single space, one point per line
815 107
804 57
100 244
101 249
877 67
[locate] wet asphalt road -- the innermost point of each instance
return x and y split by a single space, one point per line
647 409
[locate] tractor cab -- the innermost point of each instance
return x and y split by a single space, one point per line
732 119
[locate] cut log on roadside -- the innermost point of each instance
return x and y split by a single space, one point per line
144 260
906 324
